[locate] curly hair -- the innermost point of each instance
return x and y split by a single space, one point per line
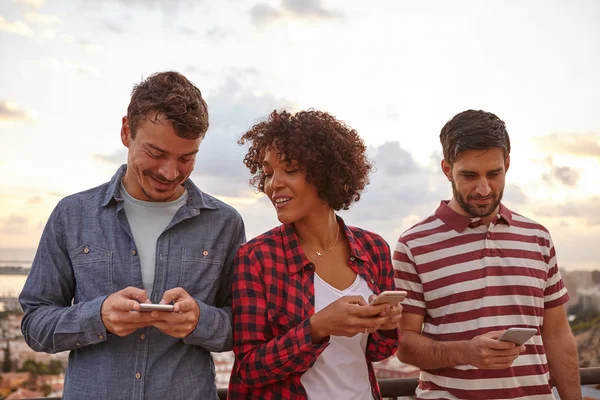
332 154
174 97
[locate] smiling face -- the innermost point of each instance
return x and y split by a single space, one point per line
158 160
285 184
478 178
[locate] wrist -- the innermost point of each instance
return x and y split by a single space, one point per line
317 331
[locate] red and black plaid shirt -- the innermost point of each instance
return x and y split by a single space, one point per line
273 299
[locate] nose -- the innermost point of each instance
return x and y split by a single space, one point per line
483 188
168 169
276 181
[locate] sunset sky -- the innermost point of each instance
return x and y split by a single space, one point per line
394 70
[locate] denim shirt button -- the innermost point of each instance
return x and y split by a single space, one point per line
86 249
77 344
133 252
142 336
100 336
138 375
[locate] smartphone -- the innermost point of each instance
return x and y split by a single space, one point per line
156 307
517 336
393 297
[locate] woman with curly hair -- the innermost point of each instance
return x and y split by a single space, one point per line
302 325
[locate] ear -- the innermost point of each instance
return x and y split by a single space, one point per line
447 170
125 132
506 163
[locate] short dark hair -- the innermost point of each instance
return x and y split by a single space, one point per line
332 154
172 96
472 130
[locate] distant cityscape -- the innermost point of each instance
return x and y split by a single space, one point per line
27 374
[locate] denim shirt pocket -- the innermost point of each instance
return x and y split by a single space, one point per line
201 268
92 267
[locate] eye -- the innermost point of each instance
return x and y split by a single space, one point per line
185 159
153 155
291 171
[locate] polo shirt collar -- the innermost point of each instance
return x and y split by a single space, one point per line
460 222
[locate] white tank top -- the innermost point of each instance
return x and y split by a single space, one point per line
340 372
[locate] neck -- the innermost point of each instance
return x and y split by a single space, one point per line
318 231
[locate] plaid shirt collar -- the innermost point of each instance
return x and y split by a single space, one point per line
297 260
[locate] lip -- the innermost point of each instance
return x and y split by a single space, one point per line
161 185
482 201
279 206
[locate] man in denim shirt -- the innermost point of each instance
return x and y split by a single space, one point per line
147 236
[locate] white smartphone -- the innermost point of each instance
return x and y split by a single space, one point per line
156 307
517 336
393 297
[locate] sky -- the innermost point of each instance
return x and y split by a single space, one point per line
396 71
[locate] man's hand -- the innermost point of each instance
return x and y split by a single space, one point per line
486 352
347 316
394 316
183 319
116 311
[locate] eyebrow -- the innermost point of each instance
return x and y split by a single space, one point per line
164 151
467 171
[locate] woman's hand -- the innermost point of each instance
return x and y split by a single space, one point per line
394 315
348 316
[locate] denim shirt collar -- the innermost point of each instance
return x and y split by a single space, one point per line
196 201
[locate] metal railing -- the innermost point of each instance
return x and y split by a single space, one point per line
393 388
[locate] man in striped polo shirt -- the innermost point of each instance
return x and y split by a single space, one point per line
474 269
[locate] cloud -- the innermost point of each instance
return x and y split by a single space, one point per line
263 13
35 200
580 144
114 27
565 175
116 158
42 19
308 8
10 111
67 66
17 27
86 45
30 4
14 224
588 210
394 160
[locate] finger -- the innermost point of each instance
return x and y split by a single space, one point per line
372 297
370 322
134 293
172 295
357 300
494 334
370 311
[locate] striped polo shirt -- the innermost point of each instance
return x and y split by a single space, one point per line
467 279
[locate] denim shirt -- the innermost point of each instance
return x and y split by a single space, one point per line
87 252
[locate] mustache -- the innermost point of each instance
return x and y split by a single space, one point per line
161 178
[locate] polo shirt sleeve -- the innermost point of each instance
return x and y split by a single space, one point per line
407 278
555 292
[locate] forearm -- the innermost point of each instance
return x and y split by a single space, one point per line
561 352
213 331
425 353
52 329
280 357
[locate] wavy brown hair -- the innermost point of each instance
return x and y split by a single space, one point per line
170 95
332 154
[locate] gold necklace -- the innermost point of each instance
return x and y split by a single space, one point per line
326 251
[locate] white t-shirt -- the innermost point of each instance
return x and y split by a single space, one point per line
340 372
147 220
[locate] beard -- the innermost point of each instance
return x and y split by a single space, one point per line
474 210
